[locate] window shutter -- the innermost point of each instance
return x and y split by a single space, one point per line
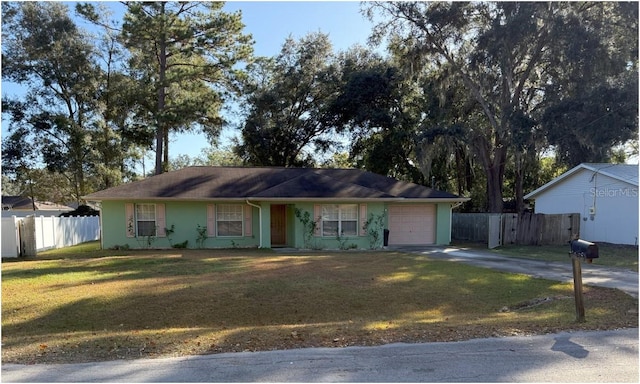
248 222
161 222
363 219
317 218
211 220
130 223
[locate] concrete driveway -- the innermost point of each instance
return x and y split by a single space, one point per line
592 274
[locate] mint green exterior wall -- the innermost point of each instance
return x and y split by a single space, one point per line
186 216
292 226
114 225
297 240
443 224
265 225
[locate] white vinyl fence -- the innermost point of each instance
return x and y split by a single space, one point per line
10 237
26 236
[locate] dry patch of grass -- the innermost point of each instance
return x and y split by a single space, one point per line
166 303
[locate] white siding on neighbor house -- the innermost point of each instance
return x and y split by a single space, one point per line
608 207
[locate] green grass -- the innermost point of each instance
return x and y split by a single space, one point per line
87 304
611 255
90 249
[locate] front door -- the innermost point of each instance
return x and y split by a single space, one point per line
278 225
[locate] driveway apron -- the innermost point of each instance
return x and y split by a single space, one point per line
592 274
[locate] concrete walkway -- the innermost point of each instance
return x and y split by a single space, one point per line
592 274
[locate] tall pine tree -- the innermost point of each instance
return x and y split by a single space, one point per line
187 54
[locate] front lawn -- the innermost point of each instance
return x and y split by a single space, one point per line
89 305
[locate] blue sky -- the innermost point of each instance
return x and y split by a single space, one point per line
270 23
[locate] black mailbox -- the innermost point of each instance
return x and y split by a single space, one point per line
584 248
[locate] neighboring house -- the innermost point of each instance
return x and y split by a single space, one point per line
24 206
605 196
214 207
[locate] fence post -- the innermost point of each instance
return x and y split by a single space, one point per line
16 227
54 232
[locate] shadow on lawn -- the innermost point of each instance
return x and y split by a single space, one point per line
127 267
138 306
279 296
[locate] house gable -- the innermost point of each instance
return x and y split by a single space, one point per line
625 173
605 196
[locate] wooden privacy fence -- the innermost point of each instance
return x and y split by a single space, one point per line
522 229
25 236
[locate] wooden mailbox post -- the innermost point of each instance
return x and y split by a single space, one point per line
580 249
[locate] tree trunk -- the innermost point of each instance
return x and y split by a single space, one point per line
494 189
161 125
519 192
519 182
493 164
160 128
165 163
159 140
32 194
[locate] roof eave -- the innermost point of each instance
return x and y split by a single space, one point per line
291 199
364 199
143 198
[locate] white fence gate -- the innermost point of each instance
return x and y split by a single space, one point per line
495 230
10 236
26 236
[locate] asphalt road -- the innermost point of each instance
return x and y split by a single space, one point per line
584 357
602 356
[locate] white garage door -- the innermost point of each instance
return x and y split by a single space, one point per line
412 224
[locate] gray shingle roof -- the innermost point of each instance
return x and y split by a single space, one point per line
623 172
205 183
17 202
26 203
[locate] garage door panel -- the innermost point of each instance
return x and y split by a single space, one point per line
412 225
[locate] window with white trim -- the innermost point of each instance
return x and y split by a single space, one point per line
146 219
339 219
229 219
